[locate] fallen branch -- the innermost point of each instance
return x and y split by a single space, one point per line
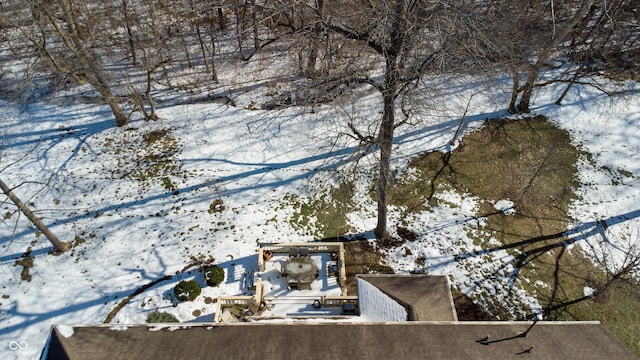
59 245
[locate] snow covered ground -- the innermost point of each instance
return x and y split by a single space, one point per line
224 184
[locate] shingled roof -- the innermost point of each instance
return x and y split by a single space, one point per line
425 297
421 297
301 340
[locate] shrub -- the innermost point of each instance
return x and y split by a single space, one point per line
187 290
161 317
213 275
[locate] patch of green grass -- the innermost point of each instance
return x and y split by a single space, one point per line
26 261
533 164
618 176
151 162
618 309
530 162
78 240
326 215
625 173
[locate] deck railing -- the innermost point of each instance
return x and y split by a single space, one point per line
339 300
319 247
230 301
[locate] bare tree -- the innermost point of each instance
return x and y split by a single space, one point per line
202 17
316 33
605 43
407 39
387 46
130 36
544 34
556 39
74 54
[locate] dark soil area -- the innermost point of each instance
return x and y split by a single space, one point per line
467 310
362 258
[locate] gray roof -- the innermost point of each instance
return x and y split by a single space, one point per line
301 340
426 297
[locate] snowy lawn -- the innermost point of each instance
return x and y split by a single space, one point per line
216 181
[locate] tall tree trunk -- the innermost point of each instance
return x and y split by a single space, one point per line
515 90
202 47
185 48
527 90
312 58
221 20
534 70
153 116
240 28
385 141
127 23
195 22
212 30
393 59
254 23
121 117
159 44
60 246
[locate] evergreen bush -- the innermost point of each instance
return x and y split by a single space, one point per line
161 317
187 290
213 275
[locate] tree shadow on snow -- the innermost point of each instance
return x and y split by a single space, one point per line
525 252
